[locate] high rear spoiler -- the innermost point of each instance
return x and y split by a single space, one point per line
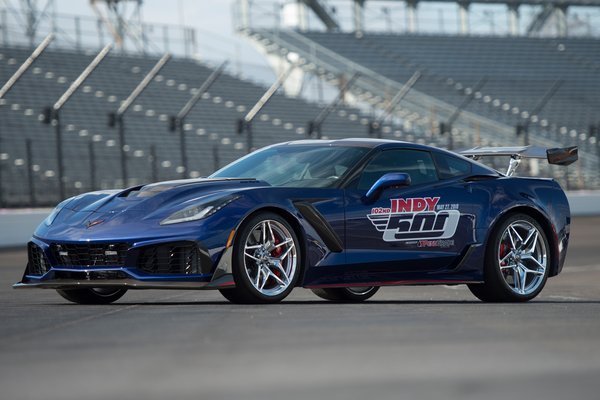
557 156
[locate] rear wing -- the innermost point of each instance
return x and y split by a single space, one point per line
557 156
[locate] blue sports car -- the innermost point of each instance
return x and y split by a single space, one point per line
340 217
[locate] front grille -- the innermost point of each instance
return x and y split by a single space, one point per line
90 255
170 258
38 263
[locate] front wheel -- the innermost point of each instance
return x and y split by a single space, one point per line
517 262
347 294
267 260
92 295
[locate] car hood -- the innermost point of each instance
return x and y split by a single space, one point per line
160 195
148 202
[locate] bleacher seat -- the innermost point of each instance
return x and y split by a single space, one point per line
209 127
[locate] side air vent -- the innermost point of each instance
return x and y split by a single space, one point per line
38 263
181 258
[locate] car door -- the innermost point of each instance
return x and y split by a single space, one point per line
407 231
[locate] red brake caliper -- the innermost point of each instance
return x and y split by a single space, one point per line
503 252
279 250
276 253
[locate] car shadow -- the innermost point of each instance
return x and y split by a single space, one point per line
342 304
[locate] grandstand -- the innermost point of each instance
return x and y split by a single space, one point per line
85 121
529 88
518 70
544 86
152 150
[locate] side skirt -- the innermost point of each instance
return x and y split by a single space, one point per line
420 282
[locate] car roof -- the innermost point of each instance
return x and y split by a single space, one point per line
385 144
368 143
358 142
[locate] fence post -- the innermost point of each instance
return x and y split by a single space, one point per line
4 28
216 161
78 33
100 33
92 165
166 38
2 174
186 41
154 163
194 41
29 166
144 39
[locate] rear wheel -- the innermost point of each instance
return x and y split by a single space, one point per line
517 262
92 295
267 261
348 294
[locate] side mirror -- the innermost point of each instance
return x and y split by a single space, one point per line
389 180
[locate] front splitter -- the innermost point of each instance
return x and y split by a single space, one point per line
223 282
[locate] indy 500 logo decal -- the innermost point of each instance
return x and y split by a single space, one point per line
418 218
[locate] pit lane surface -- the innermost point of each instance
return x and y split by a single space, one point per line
405 343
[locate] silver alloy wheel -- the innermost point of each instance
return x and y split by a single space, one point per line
522 257
360 290
270 259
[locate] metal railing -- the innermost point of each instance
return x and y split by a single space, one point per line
317 56
435 18
88 33
374 82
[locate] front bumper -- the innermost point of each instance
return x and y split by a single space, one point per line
159 265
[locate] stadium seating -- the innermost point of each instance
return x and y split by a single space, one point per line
519 71
210 127
449 66
514 76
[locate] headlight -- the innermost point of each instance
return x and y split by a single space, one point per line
50 218
198 211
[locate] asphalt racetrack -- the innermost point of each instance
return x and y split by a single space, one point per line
405 343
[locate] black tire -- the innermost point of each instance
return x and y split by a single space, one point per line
245 291
346 295
232 295
92 295
495 287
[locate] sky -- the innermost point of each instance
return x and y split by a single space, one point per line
211 19
209 15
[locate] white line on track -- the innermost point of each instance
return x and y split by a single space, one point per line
567 298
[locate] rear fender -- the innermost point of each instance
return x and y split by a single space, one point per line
547 204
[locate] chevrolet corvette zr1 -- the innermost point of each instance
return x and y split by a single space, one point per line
341 217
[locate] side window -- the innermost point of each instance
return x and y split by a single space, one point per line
418 164
451 167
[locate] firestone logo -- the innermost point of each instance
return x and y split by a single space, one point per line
414 219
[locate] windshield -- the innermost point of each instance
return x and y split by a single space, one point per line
295 165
